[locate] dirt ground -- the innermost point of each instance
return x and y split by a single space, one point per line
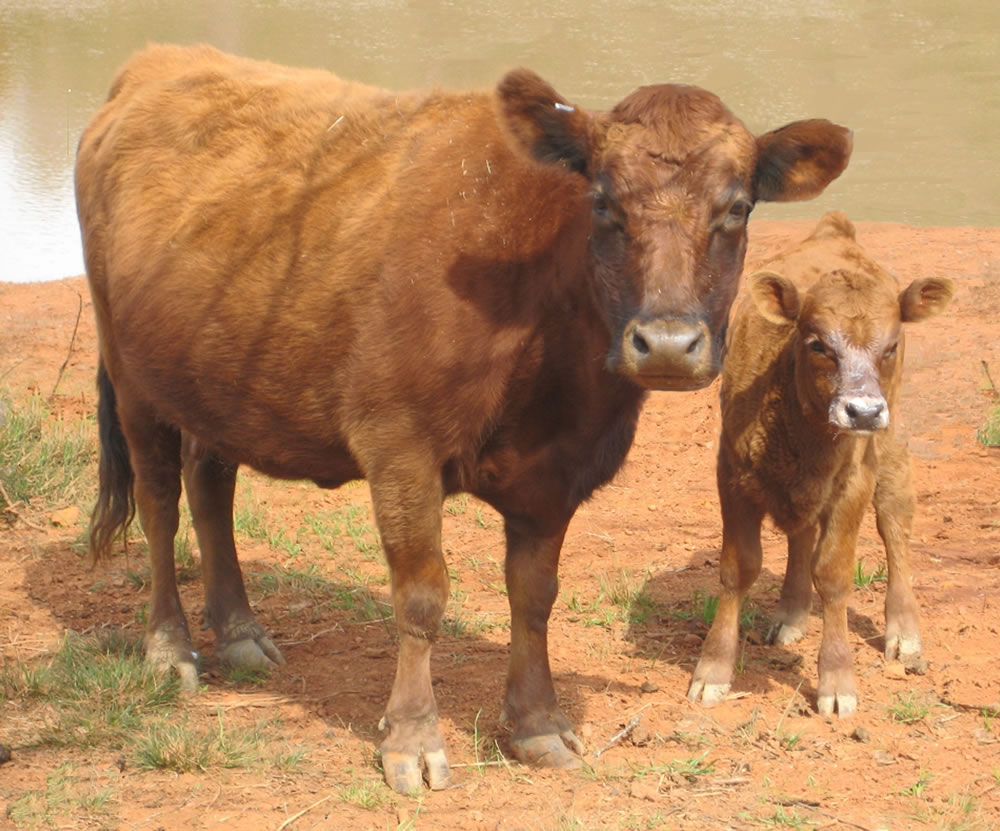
762 759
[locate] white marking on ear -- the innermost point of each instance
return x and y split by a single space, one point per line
566 108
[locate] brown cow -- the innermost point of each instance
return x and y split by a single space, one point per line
436 291
811 376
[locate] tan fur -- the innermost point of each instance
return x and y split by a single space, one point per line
434 290
816 325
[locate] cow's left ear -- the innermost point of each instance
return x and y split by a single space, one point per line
799 160
775 297
925 298
542 123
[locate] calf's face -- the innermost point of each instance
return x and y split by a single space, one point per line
848 339
673 176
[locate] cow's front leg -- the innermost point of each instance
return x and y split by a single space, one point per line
409 523
542 734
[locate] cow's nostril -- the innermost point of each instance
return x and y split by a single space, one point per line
640 344
695 344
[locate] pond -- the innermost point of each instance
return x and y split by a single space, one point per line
917 80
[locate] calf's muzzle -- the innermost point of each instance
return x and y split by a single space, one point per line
668 354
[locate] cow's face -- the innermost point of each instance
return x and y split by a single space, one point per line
673 176
848 339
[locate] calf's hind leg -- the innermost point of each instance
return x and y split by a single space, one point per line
240 640
791 619
542 735
894 508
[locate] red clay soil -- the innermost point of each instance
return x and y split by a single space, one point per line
764 758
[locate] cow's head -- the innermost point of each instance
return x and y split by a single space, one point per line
673 176
848 339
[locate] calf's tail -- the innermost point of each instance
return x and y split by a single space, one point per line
115 507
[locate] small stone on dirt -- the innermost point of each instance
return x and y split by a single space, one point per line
983 736
862 735
644 788
895 670
883 757
786 660
690 640
639 736
649 687
66 517
5 754
915 666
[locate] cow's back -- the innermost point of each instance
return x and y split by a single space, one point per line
274 246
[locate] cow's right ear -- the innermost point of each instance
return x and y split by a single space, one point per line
925 298
541 122
775 297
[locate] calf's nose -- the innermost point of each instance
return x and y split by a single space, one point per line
668 354
865 413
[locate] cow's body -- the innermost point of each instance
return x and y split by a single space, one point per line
434 291
809 436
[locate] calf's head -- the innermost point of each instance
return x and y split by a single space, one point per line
848 339
672 177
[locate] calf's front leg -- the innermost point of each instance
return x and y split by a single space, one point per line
739 567
542 735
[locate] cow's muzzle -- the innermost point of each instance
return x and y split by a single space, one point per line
668 354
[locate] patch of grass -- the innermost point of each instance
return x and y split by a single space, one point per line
988 433
457 505
350 523
783 818
177 746
250 520
96 691
369 794
908 708
688 768
703 608
245 676
918 787
629 595
65 802
312 583
458 625
863 578
44 459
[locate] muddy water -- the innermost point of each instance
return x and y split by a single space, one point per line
917 80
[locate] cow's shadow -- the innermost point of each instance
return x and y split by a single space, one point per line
341 659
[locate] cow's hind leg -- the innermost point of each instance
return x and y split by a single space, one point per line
894 507
240 640
542 735
409 523
791 619
155 451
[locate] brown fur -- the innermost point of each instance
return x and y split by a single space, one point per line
809 436
433 290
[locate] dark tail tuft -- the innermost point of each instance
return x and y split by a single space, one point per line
115 507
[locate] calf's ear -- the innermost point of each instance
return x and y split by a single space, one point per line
799 160
541 123
925 298
775 297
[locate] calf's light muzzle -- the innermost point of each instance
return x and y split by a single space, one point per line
860 413
668 354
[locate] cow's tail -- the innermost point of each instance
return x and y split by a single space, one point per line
115 507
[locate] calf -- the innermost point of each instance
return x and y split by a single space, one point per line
809 390
436 291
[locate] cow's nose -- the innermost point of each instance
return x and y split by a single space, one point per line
866 413
668 354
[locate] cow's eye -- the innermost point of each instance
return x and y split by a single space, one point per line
890 353
735 218
817 346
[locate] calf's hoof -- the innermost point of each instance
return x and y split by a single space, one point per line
562 751
412 754
707 693
783 634
837 692
904 647
250 648
169 647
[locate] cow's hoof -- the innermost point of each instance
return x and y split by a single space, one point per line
783 634
251 652
167 649
561 752
405 772
904 647
708 694
845 704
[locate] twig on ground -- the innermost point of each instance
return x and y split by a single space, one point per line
12 510
69 352
986 369
791 701
304 811
621 734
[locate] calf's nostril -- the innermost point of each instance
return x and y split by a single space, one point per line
696 343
